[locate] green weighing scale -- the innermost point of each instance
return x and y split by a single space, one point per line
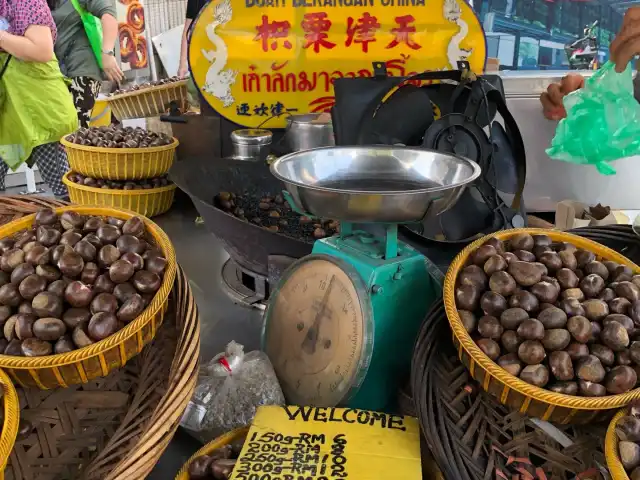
340 326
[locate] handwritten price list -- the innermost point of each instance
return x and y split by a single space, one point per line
273 456
307 443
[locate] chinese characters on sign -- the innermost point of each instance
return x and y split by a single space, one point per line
270 32
316 27
262 110
254 60
362 31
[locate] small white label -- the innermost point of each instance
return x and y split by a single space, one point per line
193 416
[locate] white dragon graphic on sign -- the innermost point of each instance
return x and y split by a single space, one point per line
453 13
218 82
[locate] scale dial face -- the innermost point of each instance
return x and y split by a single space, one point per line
319 332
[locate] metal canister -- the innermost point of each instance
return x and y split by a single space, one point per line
309 130
252 144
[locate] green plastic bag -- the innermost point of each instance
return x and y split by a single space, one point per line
602 123
38 108
93 29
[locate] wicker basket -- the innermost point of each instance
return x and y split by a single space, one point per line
510 390
407 407
149 203
117 427
611 449
219 442
125 445
120 163
11 420
149 102
99 359
13 207
472 436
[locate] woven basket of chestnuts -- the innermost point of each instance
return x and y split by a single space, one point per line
120 153
547 322
148 100
216 460
82 291
622 444
10 419
149 197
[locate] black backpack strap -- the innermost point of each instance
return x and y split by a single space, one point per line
503 215
4 67
511 126
517 144
366 126
490 92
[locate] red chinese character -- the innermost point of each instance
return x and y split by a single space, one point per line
364 31
403 32
316 26
272 31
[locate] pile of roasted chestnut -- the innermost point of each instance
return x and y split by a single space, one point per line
273 213
553 315
117 136
146 184
142 86
628 433
217 465
72 280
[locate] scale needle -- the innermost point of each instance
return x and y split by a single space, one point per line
311 339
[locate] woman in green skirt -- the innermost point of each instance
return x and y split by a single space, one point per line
36 107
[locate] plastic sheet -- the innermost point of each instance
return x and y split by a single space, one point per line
230 389
602 123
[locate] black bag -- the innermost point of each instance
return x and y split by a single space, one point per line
388 110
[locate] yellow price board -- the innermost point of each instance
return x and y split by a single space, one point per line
309 443
256 59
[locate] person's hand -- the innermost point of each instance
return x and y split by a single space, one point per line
111 68
626 45
551 100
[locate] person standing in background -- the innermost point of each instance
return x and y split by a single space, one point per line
193 9
77 59
36 108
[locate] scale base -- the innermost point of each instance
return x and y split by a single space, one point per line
401 291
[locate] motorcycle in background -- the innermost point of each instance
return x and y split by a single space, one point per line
583 53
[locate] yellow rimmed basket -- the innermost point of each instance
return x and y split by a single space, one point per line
509 390
149 203
120 163
219 442
148 102
11 420
97 360
616 469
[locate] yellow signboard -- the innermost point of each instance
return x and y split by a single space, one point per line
256 59
309 443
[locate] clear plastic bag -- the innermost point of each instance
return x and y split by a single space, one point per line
602 124
230 389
